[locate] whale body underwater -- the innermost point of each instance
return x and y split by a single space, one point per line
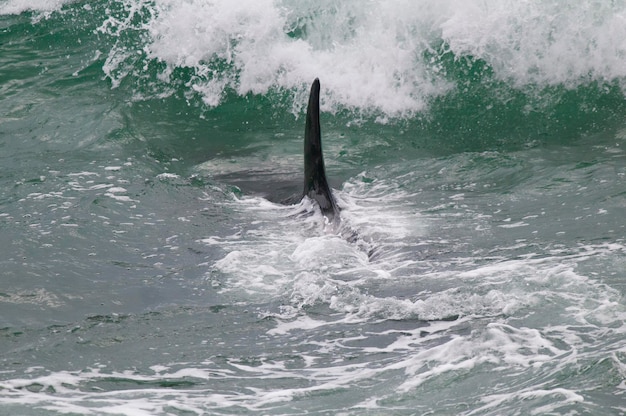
315 185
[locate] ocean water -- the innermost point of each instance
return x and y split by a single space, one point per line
476 148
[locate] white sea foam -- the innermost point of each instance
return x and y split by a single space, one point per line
404 362
413 358
44 7
287 254
379 56
37 296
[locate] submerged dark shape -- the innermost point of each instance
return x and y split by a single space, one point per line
315 183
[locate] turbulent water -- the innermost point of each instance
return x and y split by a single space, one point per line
477 150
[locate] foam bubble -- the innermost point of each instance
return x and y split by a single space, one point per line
382 57
44 7
544 43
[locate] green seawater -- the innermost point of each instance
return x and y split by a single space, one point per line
146 266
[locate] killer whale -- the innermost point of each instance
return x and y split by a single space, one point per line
288 187
315 183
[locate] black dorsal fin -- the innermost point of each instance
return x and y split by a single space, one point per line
315 183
